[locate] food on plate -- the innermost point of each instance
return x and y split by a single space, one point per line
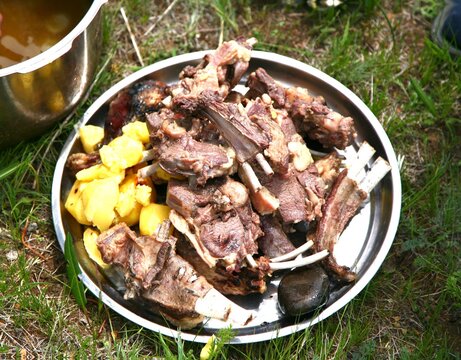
199 191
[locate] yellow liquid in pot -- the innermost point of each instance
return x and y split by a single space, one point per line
29 27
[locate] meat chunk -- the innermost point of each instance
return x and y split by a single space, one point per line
243 282
274 242
219 223
79 161
155 273
260 82
196 160
342 203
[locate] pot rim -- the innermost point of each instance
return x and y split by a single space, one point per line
58 49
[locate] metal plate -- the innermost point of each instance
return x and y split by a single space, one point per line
363 245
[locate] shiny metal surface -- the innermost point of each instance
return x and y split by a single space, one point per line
37 93
363 246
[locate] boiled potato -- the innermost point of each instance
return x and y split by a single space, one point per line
89 242
132 218
74 204
151 217
127 196
99 198
145 194
121 153
137 130
91 136
99 171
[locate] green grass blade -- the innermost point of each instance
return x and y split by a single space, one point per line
426 99
8 170
73 270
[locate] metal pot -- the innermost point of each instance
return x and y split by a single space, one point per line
38 92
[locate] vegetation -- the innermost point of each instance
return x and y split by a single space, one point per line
382 51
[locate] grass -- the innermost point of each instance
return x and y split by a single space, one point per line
382 51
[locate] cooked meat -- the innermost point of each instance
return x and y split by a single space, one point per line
147 96
118 115
199 161
79 161
261 83
328 168
310 114
274 242
219 71
341 205
154 272
262 114
218 221
315 190
243 282
245 137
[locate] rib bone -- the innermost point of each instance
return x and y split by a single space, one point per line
294 253
299 262
378 170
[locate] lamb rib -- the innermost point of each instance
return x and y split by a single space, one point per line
154 272
346 196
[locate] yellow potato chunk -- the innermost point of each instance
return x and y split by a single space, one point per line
89 242
99 198
99 171
121 153
144 194
132 218
127 196
91 136
74 204
151 217
137 130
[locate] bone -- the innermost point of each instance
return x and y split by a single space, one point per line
251 176
264 164
147 170
251 262
148 155
379 169
217 306
292 254
365 153
299 263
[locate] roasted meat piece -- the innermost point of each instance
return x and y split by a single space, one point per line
79 161
274 242
154 272
217 219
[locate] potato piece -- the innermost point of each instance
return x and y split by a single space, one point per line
151 217
89 242
137 130
127 195
91 136
99 198
145 194
74 204
121 153
99 171
132 218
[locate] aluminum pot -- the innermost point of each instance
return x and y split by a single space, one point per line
38 92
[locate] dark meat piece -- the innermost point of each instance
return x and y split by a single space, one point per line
277 151
341 205
315 190
199 161
219 71
291 196
118 115
246 137
217 219
274 242
261 83
79 161
154 272
246 281
310 114
147 96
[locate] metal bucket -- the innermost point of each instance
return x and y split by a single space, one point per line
38 92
